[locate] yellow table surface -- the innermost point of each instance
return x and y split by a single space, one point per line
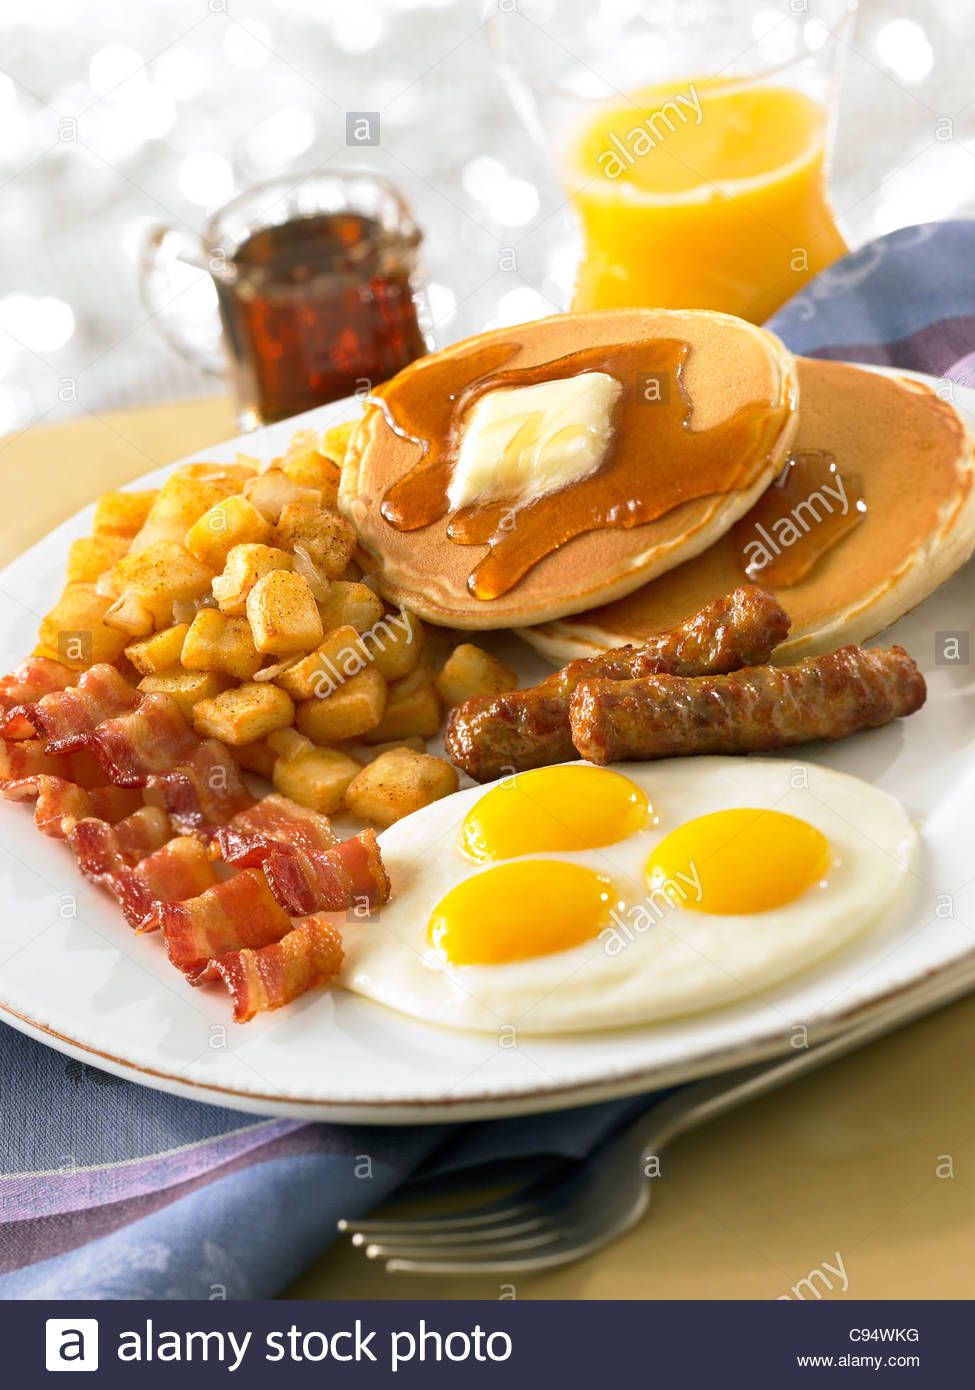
872 1160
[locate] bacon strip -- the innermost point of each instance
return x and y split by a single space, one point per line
259 980
67 717
59 803
255 832
30 758
204 791
179 869
101 848
150 738
350 875
34 678
226 917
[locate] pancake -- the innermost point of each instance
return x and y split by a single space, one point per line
905 452
729 372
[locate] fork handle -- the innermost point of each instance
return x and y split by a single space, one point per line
705 1100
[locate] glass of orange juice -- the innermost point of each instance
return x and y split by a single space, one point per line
691 138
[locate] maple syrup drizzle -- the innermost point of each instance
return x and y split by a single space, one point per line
809 508
654 461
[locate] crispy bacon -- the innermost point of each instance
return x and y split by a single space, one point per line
101 848
350 875
150 738
68 717
30 758
204 791
258 980
34 678
179 869
254 833
59 803
240 912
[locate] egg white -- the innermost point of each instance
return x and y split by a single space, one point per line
652 962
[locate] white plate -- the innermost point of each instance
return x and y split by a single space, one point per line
73 976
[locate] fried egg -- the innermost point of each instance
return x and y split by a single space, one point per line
577 898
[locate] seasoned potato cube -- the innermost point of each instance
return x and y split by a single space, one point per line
215 642
328 538
354 708
93 555
347 603
187 688
158 652
75 629
130 616
122 513
244 714
335 441
413 709
234 521
315 777
159 575
340 656
257 757
396 644
245 565
306 466
469 671
185 496
273 490
399 782
282 614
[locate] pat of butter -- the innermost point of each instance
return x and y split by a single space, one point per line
520 442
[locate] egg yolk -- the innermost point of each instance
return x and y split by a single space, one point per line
738 861
553 808
528 908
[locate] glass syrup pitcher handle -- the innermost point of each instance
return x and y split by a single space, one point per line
177 290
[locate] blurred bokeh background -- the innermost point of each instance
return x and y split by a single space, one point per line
116 116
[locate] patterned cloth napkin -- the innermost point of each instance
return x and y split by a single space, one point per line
110 1190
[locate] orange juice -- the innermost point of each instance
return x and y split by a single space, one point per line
703 195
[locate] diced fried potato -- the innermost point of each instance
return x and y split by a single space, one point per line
349 712
159 575
256 757
347 603
397 783
249 712
413 709
306 466
122 513
396 644
470 671
414 743
245 565
339 656
282 613
187 688
234 521
130 616
328 538
91 556
315 777
185 496
75 630
158 652
335 441
215 642
273 490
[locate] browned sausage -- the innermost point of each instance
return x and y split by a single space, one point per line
750 711
491 736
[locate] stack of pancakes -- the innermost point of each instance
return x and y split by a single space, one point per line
906 450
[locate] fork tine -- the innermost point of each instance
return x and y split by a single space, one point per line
429 1240
493 1249
480 1216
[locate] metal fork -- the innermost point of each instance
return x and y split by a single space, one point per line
583 1206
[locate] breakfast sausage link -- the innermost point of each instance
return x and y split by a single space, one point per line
750 711
490 736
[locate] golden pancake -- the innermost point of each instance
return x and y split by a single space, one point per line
887 514
703 418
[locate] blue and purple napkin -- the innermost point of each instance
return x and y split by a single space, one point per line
111 1191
